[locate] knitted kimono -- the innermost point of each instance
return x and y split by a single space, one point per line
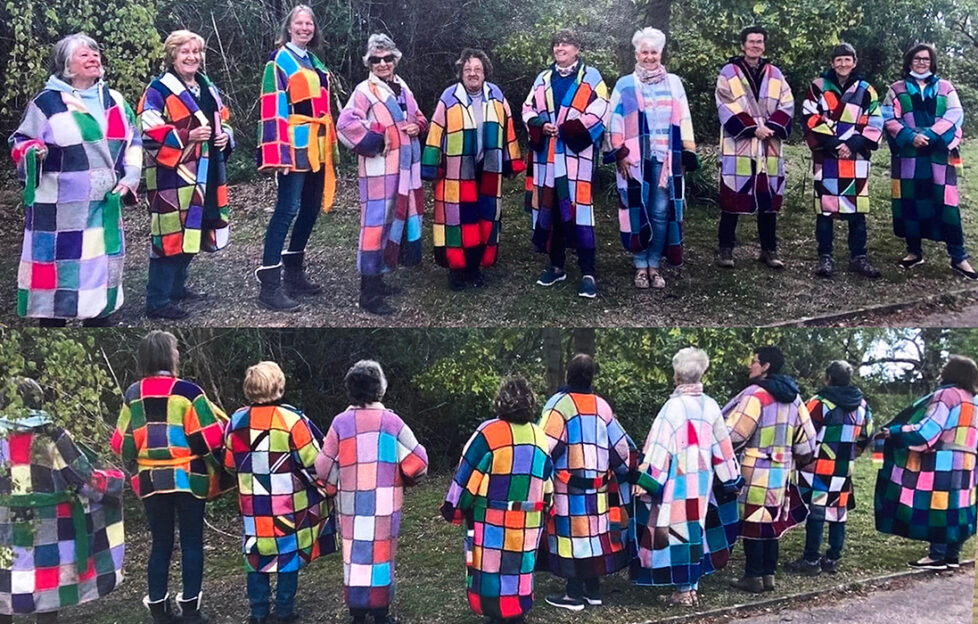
586 534
842 422
558 185
925 181
503 490
467 193
288 521
369 455
169 435
628 134
926 487
752 171
687 519
61 534
185 215
834 115
391 198
769 430
74 247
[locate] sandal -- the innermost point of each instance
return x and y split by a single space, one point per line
910 261
641 279
680 599
657 280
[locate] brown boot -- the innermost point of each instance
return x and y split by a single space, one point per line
768 581
752 584
725 257
770 258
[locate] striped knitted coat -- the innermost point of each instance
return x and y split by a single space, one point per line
467 193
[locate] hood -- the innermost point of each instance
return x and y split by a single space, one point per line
56 84
782 388
846 397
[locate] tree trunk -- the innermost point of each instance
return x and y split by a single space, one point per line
583 340
552 357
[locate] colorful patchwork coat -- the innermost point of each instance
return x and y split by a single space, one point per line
558 182
752 171
927 486
837 114
687 519
391 197
74 246
925 180
587 533
186 183
170 437
61 534
369 455
771 429
467 193
288 521
629 139
843 423
503 491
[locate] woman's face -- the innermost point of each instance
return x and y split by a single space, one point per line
473 74
566 53
85 64
187 59
382 63
921 61
647 57
302 29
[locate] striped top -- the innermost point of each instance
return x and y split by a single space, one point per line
658 116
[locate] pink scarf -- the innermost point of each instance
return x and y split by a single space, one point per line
650 76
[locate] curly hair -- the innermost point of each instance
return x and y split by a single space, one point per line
514 401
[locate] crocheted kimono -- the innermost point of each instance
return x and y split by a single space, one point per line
391 197
587 533
752 171
169 436
186 216
926 487
61 533
558 184
369 455
467 190
288 521
925 181
842 433
628 131
74 246
687 520
768 434
503 491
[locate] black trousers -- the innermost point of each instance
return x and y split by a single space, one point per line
760 557
767 230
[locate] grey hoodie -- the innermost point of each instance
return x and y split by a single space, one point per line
90 97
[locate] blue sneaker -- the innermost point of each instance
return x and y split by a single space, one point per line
588 289
551 276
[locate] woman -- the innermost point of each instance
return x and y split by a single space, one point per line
471 145
169 436
297 141
686 508
272 447
502 490
922 116
932 444
382 124
80 158
71 508
187 143
651 140
369 456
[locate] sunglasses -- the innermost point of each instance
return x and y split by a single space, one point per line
373 60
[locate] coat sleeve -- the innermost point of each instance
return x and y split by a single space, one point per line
869 126
724 459
947 127
512 159
412 458
685 117
227 441
305 448
805 441
327 462
780 120
555 428
586 130
614 147
273 129
863 439
736 122
93 483
132 162
924 434
29 137
123 443
816 124
473 469
893 123
432 167
204 425
741 416
653 472
356 131
163 142
619 451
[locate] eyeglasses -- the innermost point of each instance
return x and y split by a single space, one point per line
921 59
374 60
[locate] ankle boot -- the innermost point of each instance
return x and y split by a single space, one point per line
271 295
161 610
296 282
190 612
372 297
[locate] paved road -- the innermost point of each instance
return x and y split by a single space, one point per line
966 317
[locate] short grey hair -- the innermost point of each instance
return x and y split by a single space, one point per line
365 382
655 38
63 52
689 364
378 42
284 36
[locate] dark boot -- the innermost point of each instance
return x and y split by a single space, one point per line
190 612
861 265
161 610
271 295
372 297
456 280
473 275
725 257
826 268
296 282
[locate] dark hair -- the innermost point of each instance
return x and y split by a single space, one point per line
962 372
30 392
753 30
580 371
566 35
471 53
839 373
365 382
912 52
843 49
158 352
514 401
770 355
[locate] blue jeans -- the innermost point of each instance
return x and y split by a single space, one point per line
956 252
300 198
857 233
162 511
945 551
167 277
685 587
260 590
657 207
813 540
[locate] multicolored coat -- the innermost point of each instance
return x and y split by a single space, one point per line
751 170
503 490
74 246
926 489
186 183
369 455
834 115
61 534
467 208
629 139
587 533
391 197
558 185
169 436
771 431
843 423
925 180
288 521
687 520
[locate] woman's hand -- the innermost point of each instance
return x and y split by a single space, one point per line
550 129
121 190
412 130
199 135
844 151
920 140
221 140
623 170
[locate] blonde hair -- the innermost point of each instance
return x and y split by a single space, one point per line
175 40
264 382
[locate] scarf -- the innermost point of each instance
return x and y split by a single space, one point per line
688 389
650 76
566 71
